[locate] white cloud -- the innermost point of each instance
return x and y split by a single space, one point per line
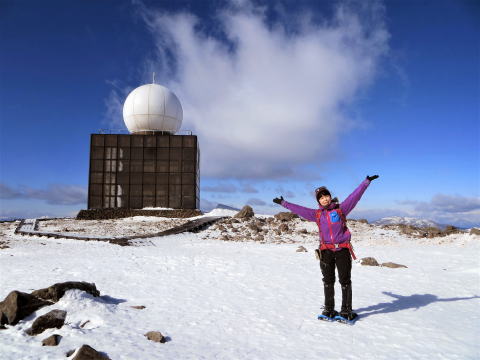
55 194
256 201
448 209
266 99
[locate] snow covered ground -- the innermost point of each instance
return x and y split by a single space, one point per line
249 300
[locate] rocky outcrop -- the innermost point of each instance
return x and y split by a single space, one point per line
285 216
474 231
245 213
283 228
18 305
55 292
86 352
156 336
52 319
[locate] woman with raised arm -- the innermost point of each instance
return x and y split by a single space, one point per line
335 249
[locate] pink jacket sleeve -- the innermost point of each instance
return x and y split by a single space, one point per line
306 213
349 203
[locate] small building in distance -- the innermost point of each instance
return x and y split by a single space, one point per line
151 166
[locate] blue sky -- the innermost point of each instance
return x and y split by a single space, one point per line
284 98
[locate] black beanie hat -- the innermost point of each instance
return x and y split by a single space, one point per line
322 190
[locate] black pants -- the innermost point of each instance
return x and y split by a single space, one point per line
343 262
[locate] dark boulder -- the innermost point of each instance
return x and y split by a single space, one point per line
285 216
52 319
369 261
155 336
18 305
56 291
88 353
474 231
245 213
53 340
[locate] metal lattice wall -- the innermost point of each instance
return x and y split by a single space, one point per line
137 171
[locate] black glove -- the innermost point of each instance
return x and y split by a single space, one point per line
372 177
278 200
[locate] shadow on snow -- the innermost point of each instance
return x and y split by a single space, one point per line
400 303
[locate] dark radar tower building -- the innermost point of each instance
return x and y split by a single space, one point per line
150 167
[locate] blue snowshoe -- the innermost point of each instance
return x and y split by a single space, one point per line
328 315
347 318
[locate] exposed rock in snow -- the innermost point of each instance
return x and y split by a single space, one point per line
474 231
86 352
286 216
52 319
369 261
52 340
393 265
18 305
155 336
55 292
245 213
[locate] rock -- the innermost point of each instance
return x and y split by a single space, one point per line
303 231
270 220
393 265
283 228
155 336
18 305
234 221
52 319
53 340
285 216
450 229
302 249
84 323
56 291
245 213
474 231
69 353
138 307
431 232
254 228
259 238
363 221
88 353
369 261
221 228
225 238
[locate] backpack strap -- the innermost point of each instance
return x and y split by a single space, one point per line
318 216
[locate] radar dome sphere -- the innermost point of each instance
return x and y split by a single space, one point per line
152 107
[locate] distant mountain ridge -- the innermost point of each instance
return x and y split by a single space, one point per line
404 220
226 207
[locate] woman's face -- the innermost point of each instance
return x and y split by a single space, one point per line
325 200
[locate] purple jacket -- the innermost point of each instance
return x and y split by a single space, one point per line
330 223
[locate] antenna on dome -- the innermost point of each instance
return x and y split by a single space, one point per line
153 80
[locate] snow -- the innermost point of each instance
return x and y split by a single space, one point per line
222 212
248 300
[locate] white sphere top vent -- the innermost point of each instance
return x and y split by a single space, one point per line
152 107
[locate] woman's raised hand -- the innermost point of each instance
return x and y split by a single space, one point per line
373 177
278 200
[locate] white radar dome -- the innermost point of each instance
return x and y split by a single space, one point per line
152 107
